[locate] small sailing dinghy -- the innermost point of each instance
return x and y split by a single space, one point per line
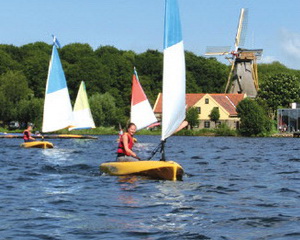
141 113
37 144
57 106
82 116
173 105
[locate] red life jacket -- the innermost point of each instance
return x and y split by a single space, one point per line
26 135
121 148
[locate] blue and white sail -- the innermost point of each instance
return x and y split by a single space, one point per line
173 102
57 106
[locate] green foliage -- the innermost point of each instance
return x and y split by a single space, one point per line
265 70
280 90
93 131
31 110
7 63
224 130
14 86
215 114
104 110
13 89
254 121
192 117
205 74
108 70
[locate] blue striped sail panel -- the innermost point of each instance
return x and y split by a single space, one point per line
57 106
174 79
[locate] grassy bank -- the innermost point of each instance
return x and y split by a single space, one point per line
220 131
113 131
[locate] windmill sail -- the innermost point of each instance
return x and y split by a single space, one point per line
142 114
82 116
57 106
173 102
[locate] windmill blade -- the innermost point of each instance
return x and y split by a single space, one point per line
229 76
219 50
241 30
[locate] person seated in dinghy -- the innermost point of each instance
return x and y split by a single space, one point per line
27 134
125 153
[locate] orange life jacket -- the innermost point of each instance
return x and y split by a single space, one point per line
26 135
121 149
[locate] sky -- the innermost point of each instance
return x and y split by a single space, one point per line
273 25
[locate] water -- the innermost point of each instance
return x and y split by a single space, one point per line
234 188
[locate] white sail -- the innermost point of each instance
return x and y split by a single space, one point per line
173 102
141 114
57 106
82 116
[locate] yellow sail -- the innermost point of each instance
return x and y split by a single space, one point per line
82 116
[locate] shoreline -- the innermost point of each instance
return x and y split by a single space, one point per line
113 131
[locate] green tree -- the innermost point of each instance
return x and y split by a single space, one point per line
209 74
280 90
192 117
31 110
215 115
74 52
104 110
7 63
265 70
254 120
13 88
35 62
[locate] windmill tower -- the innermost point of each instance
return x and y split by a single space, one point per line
243 76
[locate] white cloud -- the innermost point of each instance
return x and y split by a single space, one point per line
290 43
290 48
268 59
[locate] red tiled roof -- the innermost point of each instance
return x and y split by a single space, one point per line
190 98
227 101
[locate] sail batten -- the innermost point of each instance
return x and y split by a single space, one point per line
57 106
141 114
173 102
82 116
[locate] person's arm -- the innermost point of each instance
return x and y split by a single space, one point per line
31 138
126 148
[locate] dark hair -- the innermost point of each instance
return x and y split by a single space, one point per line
129 125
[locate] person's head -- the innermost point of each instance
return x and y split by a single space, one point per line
131 129
29 127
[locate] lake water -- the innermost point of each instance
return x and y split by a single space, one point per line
234 188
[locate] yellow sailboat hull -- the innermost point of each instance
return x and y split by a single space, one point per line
37 144
165 170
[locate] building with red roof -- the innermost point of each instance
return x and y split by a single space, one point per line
205 102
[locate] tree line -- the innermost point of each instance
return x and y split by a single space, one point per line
107 72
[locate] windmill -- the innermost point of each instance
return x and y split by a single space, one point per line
243 77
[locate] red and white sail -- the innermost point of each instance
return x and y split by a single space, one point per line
142 114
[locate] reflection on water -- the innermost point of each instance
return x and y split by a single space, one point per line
57 155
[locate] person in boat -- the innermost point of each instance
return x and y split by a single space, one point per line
125 153
27 134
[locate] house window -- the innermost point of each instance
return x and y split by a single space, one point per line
206 101
207 124
198 110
